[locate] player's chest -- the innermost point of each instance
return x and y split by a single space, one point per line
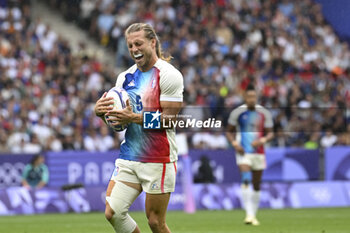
143 89
139 83
251 119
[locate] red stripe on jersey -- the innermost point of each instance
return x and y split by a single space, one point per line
163 178
175 167
260 149
157 148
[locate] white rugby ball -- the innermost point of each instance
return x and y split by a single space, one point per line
120 96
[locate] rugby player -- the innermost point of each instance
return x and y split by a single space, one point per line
249 128
147 159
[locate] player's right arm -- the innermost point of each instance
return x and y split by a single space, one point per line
103 105
231 137
231 131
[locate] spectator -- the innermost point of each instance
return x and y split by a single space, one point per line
329 139
285 48
54 144
205 171
280 140
312 143
33 146
218 141
42 130
201 140
35 174
343 139
92 141
17 139
107 141
68 143
18 148
105 22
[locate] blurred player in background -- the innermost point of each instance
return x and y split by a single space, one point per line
147 160
249 128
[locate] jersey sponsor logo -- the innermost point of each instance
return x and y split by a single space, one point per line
151 120
131 84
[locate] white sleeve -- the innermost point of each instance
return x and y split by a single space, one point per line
120 80
171 86
232 119
268 119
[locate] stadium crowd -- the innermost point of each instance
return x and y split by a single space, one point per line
285 48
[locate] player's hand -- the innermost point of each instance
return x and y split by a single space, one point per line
122 116
103 105
257 143
238 148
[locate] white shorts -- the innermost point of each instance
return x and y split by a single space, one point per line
155 178
255 161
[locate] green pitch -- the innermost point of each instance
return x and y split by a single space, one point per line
333 220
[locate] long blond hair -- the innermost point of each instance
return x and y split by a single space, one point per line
149 34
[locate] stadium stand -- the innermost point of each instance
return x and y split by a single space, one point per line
285 48
47 93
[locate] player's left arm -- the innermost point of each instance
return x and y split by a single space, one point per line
170 111
171 96
268 137
268 130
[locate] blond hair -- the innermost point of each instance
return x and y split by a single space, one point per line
149 34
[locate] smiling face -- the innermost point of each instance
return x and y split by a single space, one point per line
142 50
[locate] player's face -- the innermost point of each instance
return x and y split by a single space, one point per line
141 49
250 99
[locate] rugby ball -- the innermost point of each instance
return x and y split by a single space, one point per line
120 96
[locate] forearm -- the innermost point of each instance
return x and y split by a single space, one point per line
268 137
231 137
137 118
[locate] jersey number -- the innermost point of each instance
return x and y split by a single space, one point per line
139 106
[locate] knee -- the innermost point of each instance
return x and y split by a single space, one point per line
155 222
117 214
109 214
